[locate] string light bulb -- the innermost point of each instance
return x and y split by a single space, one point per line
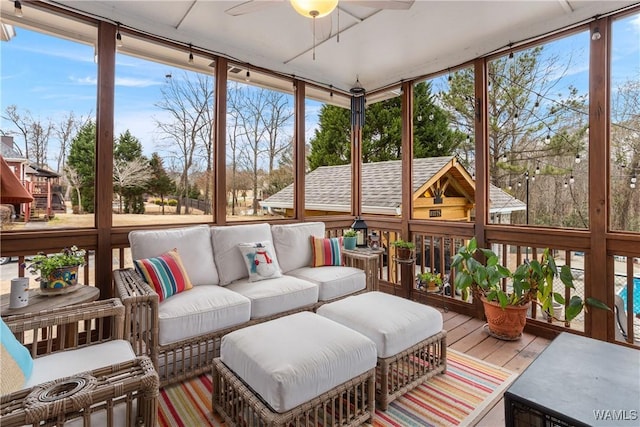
190 54
439 145
566 184
634 179
504 158
419 118
330 91
596 34
538 169
247 78
431 116
17 8
547 140
468 138
578 159
118 36
571 180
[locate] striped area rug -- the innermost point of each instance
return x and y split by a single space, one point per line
463 395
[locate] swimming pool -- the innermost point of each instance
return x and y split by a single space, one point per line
636 295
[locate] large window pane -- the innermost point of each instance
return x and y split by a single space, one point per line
625 124
163 148
259 144
328 160
443 148
48 115
538 132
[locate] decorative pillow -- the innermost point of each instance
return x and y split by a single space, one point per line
260 262
15 362
165 273
326 251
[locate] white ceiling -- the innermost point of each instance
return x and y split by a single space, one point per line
382 47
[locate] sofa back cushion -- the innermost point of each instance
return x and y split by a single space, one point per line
192 243
293 243
226 253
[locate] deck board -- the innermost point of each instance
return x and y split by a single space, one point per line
468 335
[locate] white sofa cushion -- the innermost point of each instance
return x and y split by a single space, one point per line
193 245
227 256
200 310
393 323
291 360
293 245
273 296
71 362
333 282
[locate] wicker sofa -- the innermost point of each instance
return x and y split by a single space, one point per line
182 333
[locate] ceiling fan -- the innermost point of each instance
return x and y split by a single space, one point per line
316 8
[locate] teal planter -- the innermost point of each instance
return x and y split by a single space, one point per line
349 242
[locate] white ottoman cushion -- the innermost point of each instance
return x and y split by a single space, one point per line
291 360
200 310
393 323
226 253
274 296
66 363
193 245
293 245
333 282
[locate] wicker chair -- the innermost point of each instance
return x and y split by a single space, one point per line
123 394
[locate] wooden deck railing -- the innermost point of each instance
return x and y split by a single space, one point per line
436 243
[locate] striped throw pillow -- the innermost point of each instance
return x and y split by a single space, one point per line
165 273
326 252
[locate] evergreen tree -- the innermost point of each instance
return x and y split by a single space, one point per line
82 155
160 184
382 132
127 149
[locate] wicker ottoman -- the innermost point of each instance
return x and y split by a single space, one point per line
302 369
409 338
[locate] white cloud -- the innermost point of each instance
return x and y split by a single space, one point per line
91 81
134 82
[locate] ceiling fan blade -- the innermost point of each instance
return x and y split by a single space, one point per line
251 6
383 4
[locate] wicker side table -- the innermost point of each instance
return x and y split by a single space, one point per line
367 260
98 395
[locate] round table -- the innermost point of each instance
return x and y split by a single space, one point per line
39 302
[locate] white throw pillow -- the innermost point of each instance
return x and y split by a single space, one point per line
260 260
292 243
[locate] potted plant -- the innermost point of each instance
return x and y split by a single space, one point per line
404 249
58 272
429 281
532 282
349 239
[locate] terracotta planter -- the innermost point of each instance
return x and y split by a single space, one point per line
403 253
61 280
507 323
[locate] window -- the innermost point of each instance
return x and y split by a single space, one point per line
625 124
47 117
259 144
163 148
538 133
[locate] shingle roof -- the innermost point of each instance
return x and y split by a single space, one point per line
329 187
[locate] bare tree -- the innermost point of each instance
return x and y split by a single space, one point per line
188 104
234 134
130 174
278 113
22 122
75 181
64 130
39 141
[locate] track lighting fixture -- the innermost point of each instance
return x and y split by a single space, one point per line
190 55
17 8
118 36
247 77
511 55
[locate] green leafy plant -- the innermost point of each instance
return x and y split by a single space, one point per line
531 282
350 233
403 244
429 277
45 264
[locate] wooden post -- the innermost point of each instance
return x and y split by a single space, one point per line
599 321
407 159
220 143
299 150
104 156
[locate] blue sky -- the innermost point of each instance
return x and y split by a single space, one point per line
51 76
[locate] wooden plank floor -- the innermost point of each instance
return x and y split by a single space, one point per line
467 335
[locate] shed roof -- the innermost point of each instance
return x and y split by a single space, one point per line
328 188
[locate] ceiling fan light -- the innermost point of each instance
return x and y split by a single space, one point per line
314 8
